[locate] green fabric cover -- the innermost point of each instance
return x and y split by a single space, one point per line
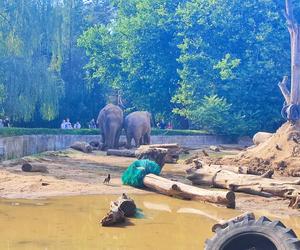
136 172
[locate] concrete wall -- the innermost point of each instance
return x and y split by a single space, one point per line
19 146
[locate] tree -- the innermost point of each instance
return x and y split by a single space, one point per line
237 50
291 110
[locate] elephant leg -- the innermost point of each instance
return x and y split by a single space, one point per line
128 138
147 139
117 139
137 141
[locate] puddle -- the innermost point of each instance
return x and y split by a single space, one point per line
73 223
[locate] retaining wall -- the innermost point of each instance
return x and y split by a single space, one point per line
19 146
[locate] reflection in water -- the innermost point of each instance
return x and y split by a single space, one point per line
157 206
186 210
72 223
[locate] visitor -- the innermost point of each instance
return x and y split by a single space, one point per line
1 123
6 122
162 124
92 124
68 124
169 126
77 125
63 124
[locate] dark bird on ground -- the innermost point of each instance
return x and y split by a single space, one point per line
107 179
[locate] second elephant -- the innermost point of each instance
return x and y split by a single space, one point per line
138 127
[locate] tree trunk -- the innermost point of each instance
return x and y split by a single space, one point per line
294 30
177 189
250 184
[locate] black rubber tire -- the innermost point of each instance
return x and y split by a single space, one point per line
261 234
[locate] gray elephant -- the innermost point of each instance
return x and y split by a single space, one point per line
138 126
110 122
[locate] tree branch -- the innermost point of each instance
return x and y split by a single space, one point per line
284 90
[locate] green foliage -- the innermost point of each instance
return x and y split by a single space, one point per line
213 114
216 63
238 50
6 132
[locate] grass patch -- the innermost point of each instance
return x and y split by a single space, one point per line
8 132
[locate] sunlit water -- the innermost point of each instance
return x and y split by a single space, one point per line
73 223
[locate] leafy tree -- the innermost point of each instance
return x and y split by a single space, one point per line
237 50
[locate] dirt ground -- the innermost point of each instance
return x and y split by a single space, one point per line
75 173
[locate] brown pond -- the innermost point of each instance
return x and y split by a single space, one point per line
73 223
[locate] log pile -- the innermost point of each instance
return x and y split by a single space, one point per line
160 153
184 191
173 151
251 184
120 209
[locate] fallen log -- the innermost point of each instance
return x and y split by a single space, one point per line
177 189
121 152
125 204
27 167
157 155
82 146
251 184
173 151
113 217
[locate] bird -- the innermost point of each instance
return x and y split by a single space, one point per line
107 179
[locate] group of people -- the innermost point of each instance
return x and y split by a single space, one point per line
66 124
162 125
5 123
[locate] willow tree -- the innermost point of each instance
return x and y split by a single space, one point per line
291 110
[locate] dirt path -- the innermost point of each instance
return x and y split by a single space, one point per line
75 173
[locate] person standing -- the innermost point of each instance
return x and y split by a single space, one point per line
63 124
92 124
6 123
77 125
68 124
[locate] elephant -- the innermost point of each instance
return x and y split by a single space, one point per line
110 122
138 126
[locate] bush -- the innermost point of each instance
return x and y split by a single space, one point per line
7 132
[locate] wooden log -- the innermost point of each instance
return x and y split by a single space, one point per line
173 151
169 145
223 224
82 146
125 204
177 189
113 217
27 167
153 154
121 152
251 184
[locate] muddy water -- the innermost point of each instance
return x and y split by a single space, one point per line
73 223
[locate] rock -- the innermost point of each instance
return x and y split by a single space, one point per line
261 137
214 148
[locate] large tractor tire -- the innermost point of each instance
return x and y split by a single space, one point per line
251 234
